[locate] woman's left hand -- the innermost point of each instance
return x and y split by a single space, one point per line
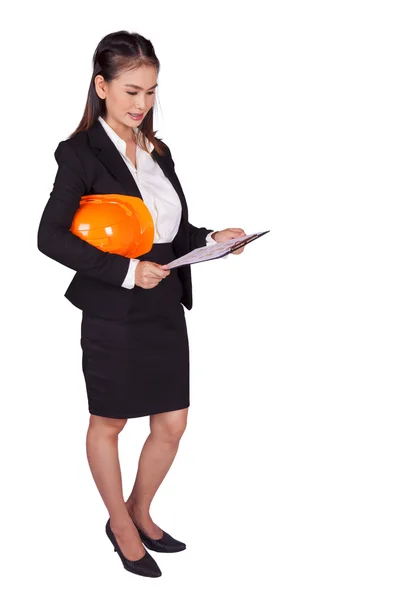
229 234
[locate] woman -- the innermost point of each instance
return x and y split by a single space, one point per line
134 339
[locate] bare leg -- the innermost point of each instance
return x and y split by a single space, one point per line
156 458
102 454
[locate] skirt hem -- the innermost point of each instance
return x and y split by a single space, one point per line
138 415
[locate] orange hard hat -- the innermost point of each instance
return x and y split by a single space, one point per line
115 223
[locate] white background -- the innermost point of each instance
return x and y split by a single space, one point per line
279 115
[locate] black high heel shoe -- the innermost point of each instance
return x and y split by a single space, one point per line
165 544
145 566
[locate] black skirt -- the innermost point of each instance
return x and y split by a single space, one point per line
139 365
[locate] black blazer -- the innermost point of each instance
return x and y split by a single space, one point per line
89 163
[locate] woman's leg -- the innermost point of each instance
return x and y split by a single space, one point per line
158 453
102 454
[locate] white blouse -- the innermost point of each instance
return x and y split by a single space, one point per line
157 192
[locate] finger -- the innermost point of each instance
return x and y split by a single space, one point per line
159 274
156 270
154 278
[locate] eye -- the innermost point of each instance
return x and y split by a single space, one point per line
134 93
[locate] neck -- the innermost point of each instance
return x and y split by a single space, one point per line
126 133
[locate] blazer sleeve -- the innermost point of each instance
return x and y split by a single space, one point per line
54 238
197 235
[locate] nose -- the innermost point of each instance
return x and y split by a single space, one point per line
142 102
139 106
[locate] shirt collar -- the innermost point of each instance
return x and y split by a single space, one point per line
119 142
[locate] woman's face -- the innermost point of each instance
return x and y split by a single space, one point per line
131 93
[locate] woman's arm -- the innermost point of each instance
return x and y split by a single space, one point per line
54 238
197 236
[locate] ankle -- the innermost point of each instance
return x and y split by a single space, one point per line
131 502
120 522
137 509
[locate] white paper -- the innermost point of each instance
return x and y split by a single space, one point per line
208 252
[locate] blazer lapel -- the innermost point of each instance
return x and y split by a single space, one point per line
106 151
110 157
166 165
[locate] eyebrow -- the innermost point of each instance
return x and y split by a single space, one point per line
138 87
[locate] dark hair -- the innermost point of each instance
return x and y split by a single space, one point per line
115 53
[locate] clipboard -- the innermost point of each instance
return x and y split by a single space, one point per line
215 251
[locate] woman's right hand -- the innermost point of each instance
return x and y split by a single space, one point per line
149 274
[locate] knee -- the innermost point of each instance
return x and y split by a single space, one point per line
105 425
168 429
